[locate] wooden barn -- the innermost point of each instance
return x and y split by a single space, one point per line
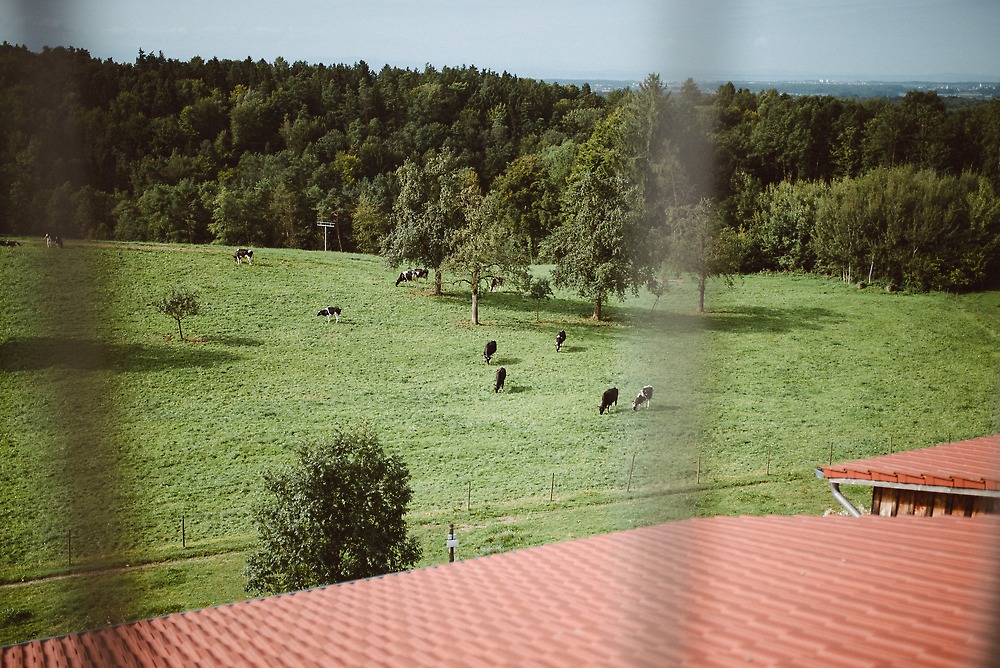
960 478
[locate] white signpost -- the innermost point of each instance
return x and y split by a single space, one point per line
326 227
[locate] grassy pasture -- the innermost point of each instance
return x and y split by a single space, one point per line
113 429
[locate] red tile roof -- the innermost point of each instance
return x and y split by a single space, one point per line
972 464
706 592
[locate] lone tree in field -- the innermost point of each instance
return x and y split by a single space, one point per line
538 289
483 250
179 303
427 212
335 514
702 246
601 249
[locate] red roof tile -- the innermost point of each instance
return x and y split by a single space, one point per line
972 464
717 591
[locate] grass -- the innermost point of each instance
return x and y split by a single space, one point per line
114 429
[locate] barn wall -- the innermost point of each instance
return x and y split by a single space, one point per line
889 502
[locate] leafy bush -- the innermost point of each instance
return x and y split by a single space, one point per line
334 515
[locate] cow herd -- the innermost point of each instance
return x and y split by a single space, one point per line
609 397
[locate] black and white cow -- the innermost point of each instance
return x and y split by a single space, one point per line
331 311
404 276
9 242
243 254
609 398
501 377
420 273
560 339
490 350
644 397
496 283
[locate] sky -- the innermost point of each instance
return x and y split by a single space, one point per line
738 40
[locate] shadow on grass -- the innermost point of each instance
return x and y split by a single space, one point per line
235 341
79 355
769 319
499 361
557 313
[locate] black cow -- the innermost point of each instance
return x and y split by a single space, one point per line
496 283
644 397
490 350
331 311
560 339
243 254
501 377
8 242
609 397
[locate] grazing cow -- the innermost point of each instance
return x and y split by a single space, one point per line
243 254
560 339
501 377
8 242
644 397
496 283
490 350
411 275
331 310
609 398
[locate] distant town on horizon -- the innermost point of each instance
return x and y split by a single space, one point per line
973 90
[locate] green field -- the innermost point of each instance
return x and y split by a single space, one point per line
114 431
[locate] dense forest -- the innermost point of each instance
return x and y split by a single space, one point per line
617 190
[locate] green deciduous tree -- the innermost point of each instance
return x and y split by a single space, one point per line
335 514
178 304
484 249
538 289
427 212
702 246
601 248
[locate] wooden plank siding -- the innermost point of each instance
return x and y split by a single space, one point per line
890 502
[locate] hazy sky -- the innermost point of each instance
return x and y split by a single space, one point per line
704 39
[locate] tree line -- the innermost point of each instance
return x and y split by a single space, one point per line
476 174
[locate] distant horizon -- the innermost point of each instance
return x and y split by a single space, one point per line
578 75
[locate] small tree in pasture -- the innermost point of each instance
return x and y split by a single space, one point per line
538 289
483 250
179 303
702 246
